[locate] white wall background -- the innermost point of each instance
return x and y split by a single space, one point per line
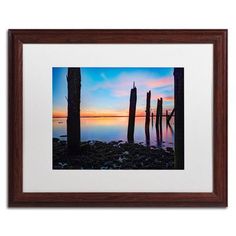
117 14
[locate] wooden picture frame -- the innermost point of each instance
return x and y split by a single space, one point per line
18 198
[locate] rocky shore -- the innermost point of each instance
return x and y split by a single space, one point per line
112 155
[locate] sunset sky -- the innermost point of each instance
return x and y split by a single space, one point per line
106 91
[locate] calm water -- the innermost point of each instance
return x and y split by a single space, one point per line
115 128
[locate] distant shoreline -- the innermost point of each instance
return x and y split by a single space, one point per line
164 115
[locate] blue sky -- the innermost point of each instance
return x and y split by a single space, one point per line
106 91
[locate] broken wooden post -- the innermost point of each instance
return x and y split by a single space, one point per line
73 109
159 118
152 119
167 117
158 136
132 111
157 122
158 112
171 114
179 117
147 135
161 110
147 120
148 101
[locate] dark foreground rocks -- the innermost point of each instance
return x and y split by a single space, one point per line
112 155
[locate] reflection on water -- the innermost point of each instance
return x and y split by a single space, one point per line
115 128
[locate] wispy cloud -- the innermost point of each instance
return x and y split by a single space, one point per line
103 75
122 85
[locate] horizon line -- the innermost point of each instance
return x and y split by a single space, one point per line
101 116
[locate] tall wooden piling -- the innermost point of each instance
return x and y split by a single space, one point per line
152 118
132 111
171 114
167 117
158 112
148 101
147 120
73 109
179 117
158 136
161 110
147 135
159 119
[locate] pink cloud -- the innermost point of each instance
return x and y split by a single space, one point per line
121 87
154 83
170 98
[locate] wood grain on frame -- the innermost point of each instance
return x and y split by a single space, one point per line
16 196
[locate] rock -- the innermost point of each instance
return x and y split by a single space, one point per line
56 139
170 149
62 165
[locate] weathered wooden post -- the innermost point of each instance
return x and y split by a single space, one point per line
179 117
152 119
148 101
147 134
167 117
157 122
171 114
161 110
147 120
159 119
132 111
158 113
73 108
158 136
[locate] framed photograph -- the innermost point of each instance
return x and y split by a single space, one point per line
128 118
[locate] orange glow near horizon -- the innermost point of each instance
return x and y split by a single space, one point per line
59 114
139 112
63 114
